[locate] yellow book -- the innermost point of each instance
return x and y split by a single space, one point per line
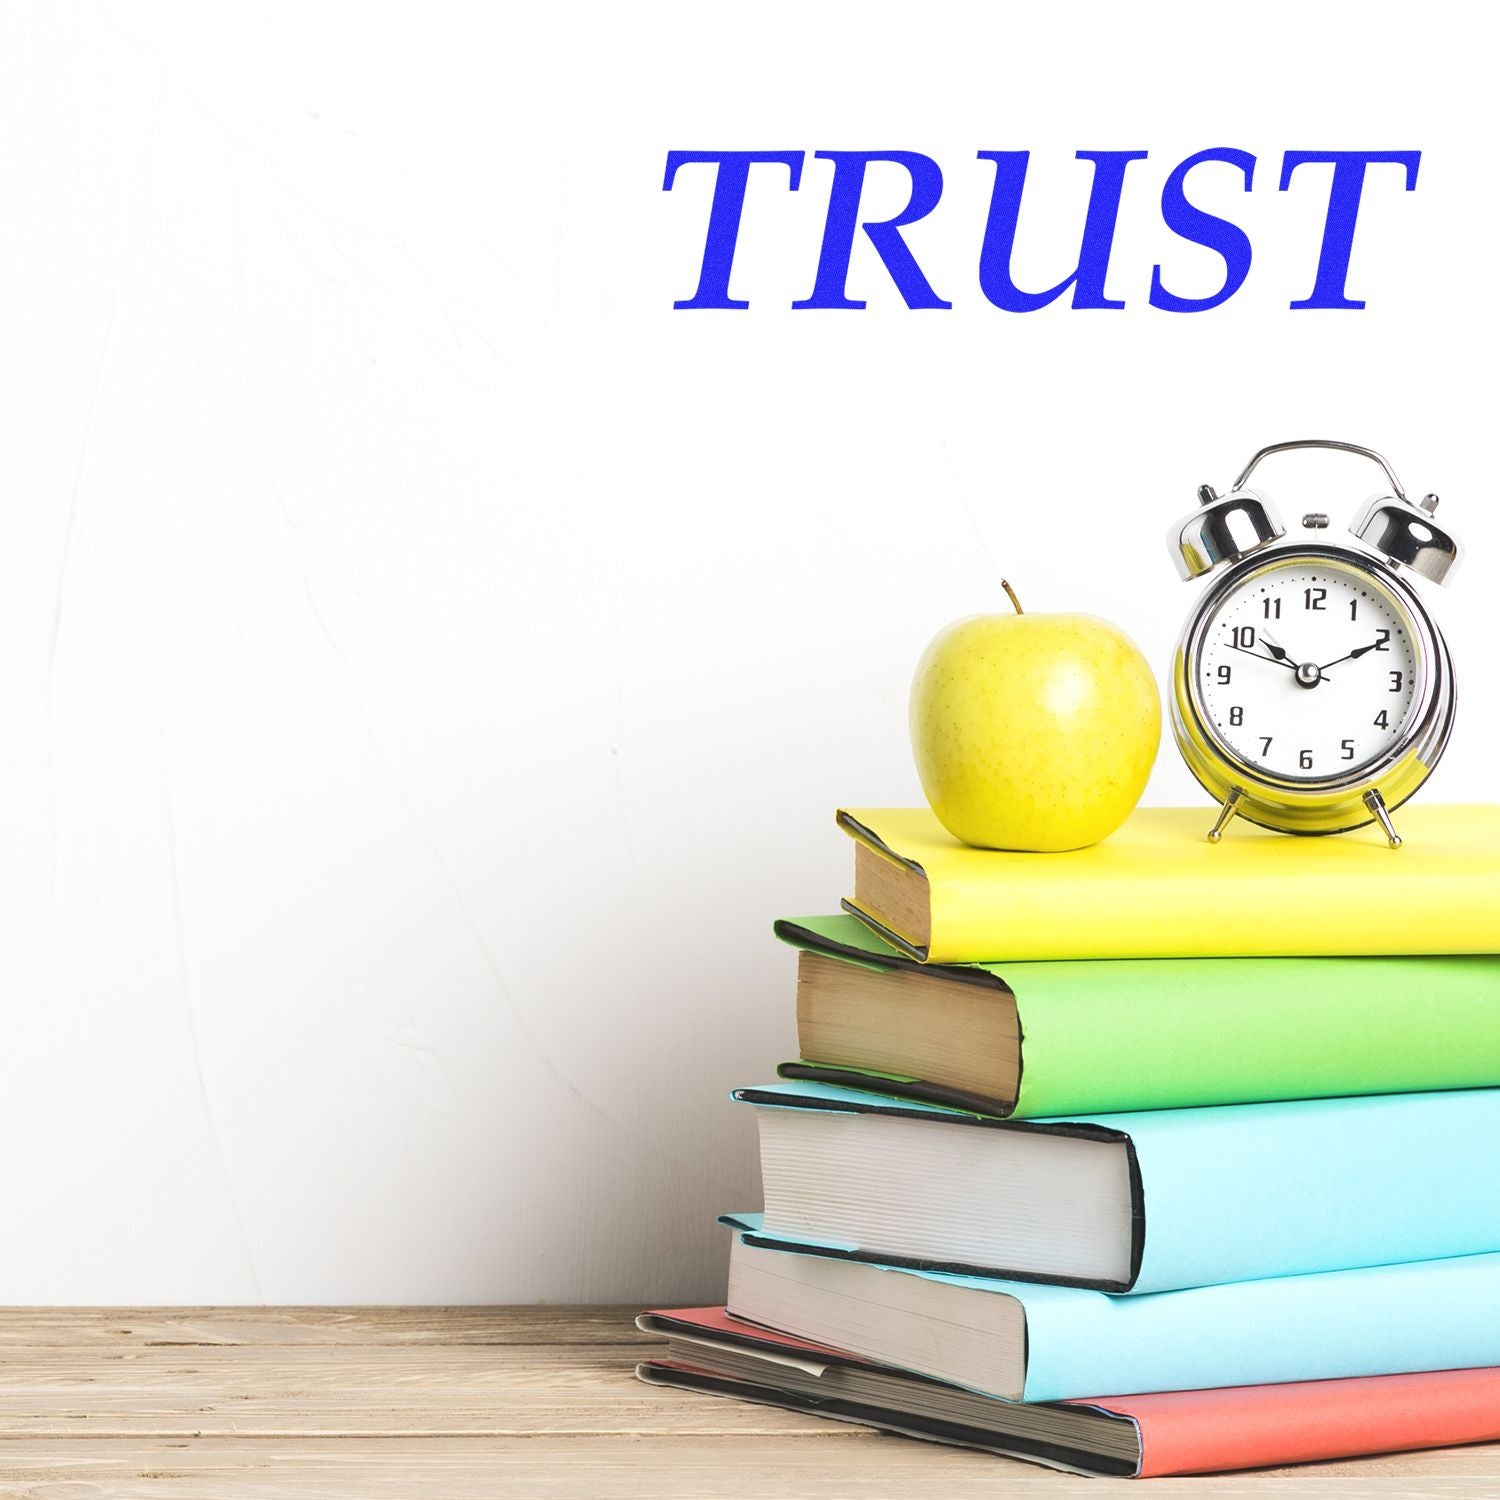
1158 889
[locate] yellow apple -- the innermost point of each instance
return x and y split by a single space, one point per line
1034 731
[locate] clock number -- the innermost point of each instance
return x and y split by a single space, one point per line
1242 637
1396 681
1224 675
1382 720
1236 715
1313 598
1354 609
1304 759
1271 608
1347 746
1265 744
1383 644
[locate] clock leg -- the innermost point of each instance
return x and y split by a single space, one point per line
1376 803
1226 812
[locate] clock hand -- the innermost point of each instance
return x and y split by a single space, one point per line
1309 675
1277 652
1352 656
1275 661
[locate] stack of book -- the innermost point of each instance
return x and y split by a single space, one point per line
1156 1157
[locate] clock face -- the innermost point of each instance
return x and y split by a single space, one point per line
1310 669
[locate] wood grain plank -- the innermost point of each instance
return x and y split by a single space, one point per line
364 1390
33 1327
848 1464
244 1403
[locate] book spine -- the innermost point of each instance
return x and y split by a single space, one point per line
1167 1034
1245 1192
1437 1315
1253 1427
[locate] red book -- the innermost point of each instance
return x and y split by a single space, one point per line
1168 1432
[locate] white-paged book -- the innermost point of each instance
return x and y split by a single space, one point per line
1034 1342
1147 1201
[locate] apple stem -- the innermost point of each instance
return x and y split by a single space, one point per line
1005 584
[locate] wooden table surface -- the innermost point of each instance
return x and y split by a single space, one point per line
454 1403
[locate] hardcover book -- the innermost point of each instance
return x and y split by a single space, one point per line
1096 1036
1140 1436
1026 1342
1157 888
1137 1202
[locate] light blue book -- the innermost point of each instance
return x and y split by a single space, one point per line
1023 1341
1141 1202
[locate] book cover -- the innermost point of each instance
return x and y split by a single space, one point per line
1105 1035
1158 889
1178 1432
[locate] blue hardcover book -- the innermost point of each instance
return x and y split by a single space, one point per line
1027 1342
1141 1202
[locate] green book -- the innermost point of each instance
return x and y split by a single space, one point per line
1032 1040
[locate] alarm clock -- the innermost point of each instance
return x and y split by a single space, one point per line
1312 692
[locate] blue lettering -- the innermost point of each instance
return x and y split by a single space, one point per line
1228 240
884 234
1343 211
1089 275
724 215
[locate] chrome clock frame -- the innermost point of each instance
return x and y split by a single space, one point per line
1325 804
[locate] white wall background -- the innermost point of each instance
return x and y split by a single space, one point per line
428 662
